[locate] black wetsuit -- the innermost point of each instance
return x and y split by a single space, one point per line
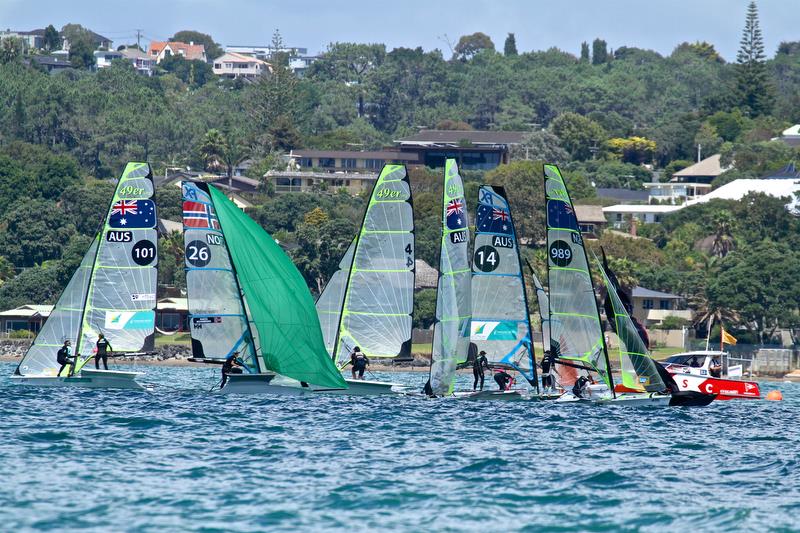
229 367
64 358
547 379
478 364
360 362
103 347
502 379
580 385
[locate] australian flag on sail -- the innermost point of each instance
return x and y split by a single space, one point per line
493 220
456 217
561 215
133 214
199 215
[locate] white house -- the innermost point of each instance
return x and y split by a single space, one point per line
687 184
232 65
103 58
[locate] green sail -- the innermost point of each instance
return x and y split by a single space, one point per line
636 366
289 338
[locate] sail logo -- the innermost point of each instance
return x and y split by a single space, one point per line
133 214
458 237
387 193
143 297
213 238
454 189
119 236
503 242
126 320
494 331
129 191
454 212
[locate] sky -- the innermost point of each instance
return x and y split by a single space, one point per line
659 25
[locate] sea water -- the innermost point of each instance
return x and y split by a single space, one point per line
179 458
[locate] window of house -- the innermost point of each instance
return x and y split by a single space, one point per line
338 183
619 217
306 162
373 163
348 163
665 304
170 321
647 304
327 162
347 182
16 325
283 182
217 65
586 228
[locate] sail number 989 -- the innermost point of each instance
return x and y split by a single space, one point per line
198 254
560 253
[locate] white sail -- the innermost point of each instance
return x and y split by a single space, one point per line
329 303
544 310
453 295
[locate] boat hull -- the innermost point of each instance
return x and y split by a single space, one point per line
92 379
505 395
630 399
724 389
273 384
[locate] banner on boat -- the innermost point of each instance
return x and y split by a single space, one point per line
130 319
505 330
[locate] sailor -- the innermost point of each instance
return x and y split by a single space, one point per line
581 387
547 377
715 369
503 379
103 349
359 362
478 365
64 357
232 365
694 363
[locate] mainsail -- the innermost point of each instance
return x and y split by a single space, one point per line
638 370
377 296
113 290
453 305
217 318
544 309
283 323
500 321
575 327
329 303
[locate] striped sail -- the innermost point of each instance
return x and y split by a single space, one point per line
500 321
378 292
217 319
451 330
636 366
121 297
329 303
576 332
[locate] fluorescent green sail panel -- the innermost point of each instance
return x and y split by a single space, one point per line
379 295
453 296
575 329
637 367
329 303
280 307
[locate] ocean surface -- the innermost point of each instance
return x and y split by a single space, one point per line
180 458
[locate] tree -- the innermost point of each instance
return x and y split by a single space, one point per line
707 139
52 39
541 145
213 50
599 52
510 46
469 45
194 73
81 51
579 135
723 242
424 308
584 52
212 150
10 50
636 150
754 88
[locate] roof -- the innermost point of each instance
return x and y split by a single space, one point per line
233 57
426 277
352 154
190 51
133 53
738 189
623 195
52 61
169 226
29 310
788 172
623 208
794 131
455 137
590 213
173 304
708 167
641 292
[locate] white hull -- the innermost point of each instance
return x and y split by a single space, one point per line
632 399
93 379
515 395
273 384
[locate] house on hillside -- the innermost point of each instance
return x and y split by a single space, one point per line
620 215
31 40
790 136
172 315
98 41
299 60
652 307
625 196
28 317
104 58
159 50
140 60
687 184
591 220
54 63
474 150
232 65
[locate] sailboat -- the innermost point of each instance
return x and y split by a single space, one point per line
451 328
500 323
247 298
370 298
112 292
576 333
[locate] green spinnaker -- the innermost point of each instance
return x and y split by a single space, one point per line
289 338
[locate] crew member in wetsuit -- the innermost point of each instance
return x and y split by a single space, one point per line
580 388
547 378
478 365
64 358
103 349
232 365
359 362
503 379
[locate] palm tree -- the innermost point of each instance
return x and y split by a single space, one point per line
723 242
708 312
212 150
